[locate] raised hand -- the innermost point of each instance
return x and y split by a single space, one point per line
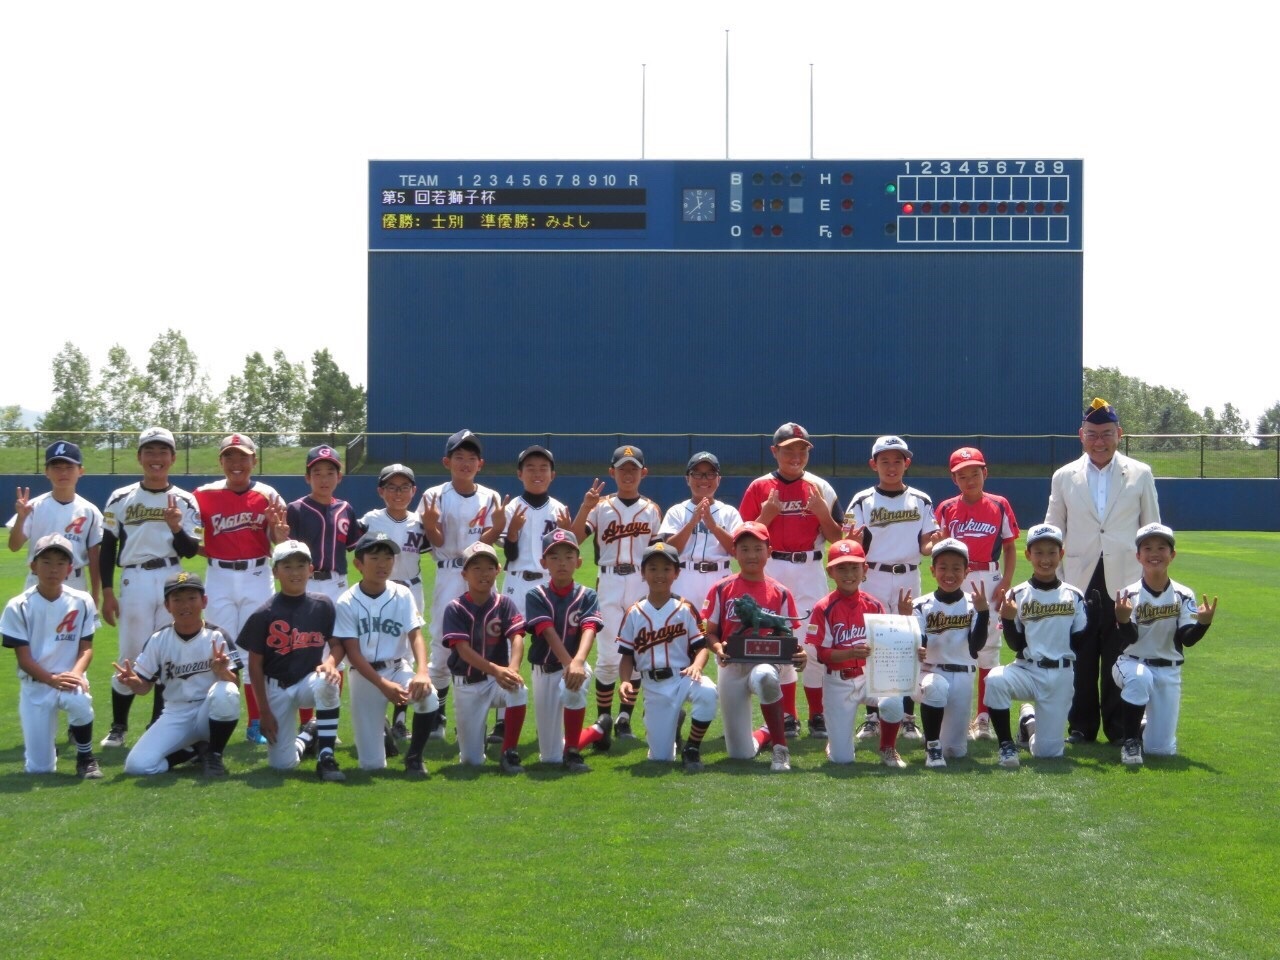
1124 607
592 496
516 523
173 514
1204 615
905 600
1009 608
979 596
22 505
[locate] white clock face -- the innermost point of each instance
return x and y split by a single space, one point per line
699 205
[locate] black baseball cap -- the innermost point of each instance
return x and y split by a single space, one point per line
395 470
702 457
62 450
463 438
371 540
185 580
535 450
791 433
627 453
660 549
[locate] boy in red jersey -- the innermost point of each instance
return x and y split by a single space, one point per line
838 636
801 513
985 524
737 681
242 518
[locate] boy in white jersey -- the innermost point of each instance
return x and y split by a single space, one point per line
624 524
50 628
62 511
1044 620
147 526
701 528
1158 620
199 665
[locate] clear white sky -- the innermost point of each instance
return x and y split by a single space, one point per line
203 166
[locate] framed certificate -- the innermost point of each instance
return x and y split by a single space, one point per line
892 663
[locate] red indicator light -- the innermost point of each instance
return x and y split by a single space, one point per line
1002 207
1021 208
757 230
1058 208
1039 208
846 231
983 208
846 204
964 208
927 208
846 178
908 209
946 208
777 230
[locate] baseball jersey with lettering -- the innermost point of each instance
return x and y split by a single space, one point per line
893 522
538 522
949 628
794 529
382 624
463 516
702 546
326 528
661 638
79 521
290 633
487 627
984 526
1161 619
235 522
773 597
622 530
184 664
135 518
568 612
50 629
408 533
1048 615
837 621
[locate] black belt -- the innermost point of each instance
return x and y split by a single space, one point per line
1156 662
465 681
894 567
449 564
664 674
553 667
621 569
153 564
383 664
324 575
706 566
77 571
1047 664
240 564
527 575
803 556
951 667
410 583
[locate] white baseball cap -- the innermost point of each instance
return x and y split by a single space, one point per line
951 545
1154 530
883 444
1042 531
156 435
290 548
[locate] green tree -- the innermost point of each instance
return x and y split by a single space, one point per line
120 395
1143 407
268 399
333 405
1269 423
10 424
180 397
73 404
1230 424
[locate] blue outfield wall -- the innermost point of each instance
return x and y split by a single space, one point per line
1185 504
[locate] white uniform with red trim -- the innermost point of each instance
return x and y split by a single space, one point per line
893 523
79 521
663 641
238 546
622 533
984 528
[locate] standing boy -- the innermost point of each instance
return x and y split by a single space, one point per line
325 523
147 526
50 628
241 518
701 528
455 515
1158 620
485 635
286 640
895 525
1044 621
61 511
985 524
200 666
380 630
738 681
563 617
801 513
662 637
624 524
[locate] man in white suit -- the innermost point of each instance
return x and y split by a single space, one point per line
1099 502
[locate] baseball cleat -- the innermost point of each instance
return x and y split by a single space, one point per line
1131 752
870 728
115 737
253 732
389 741
980 729
603 724
213 765
510 762
399 730
87 767
1026 724
818 727
1009 755
442 721
933 755
691 760
791 726
1075 736
414 768
781 759
622 727
908 729
890 758
327 769
307 736
573 762
499 731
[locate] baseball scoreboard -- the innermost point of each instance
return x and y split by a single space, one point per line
935 295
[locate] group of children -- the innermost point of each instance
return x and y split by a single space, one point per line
665 604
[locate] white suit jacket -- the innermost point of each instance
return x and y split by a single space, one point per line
1131 504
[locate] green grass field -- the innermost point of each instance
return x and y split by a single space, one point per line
1079 857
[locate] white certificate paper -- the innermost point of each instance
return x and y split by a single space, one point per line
892 664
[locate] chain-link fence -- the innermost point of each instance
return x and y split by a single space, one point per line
834 455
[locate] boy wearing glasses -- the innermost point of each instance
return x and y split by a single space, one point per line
701 529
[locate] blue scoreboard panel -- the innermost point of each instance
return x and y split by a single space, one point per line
855 296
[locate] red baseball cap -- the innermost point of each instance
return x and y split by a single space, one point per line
752 528
845 551
967 457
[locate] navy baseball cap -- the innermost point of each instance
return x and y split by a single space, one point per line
371 540
558 536
395 470
323 454
62 450
186 580
702 457
791 433
1101 412
538 451
53 541
627 453
463 438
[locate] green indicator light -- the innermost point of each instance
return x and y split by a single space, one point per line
890 189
